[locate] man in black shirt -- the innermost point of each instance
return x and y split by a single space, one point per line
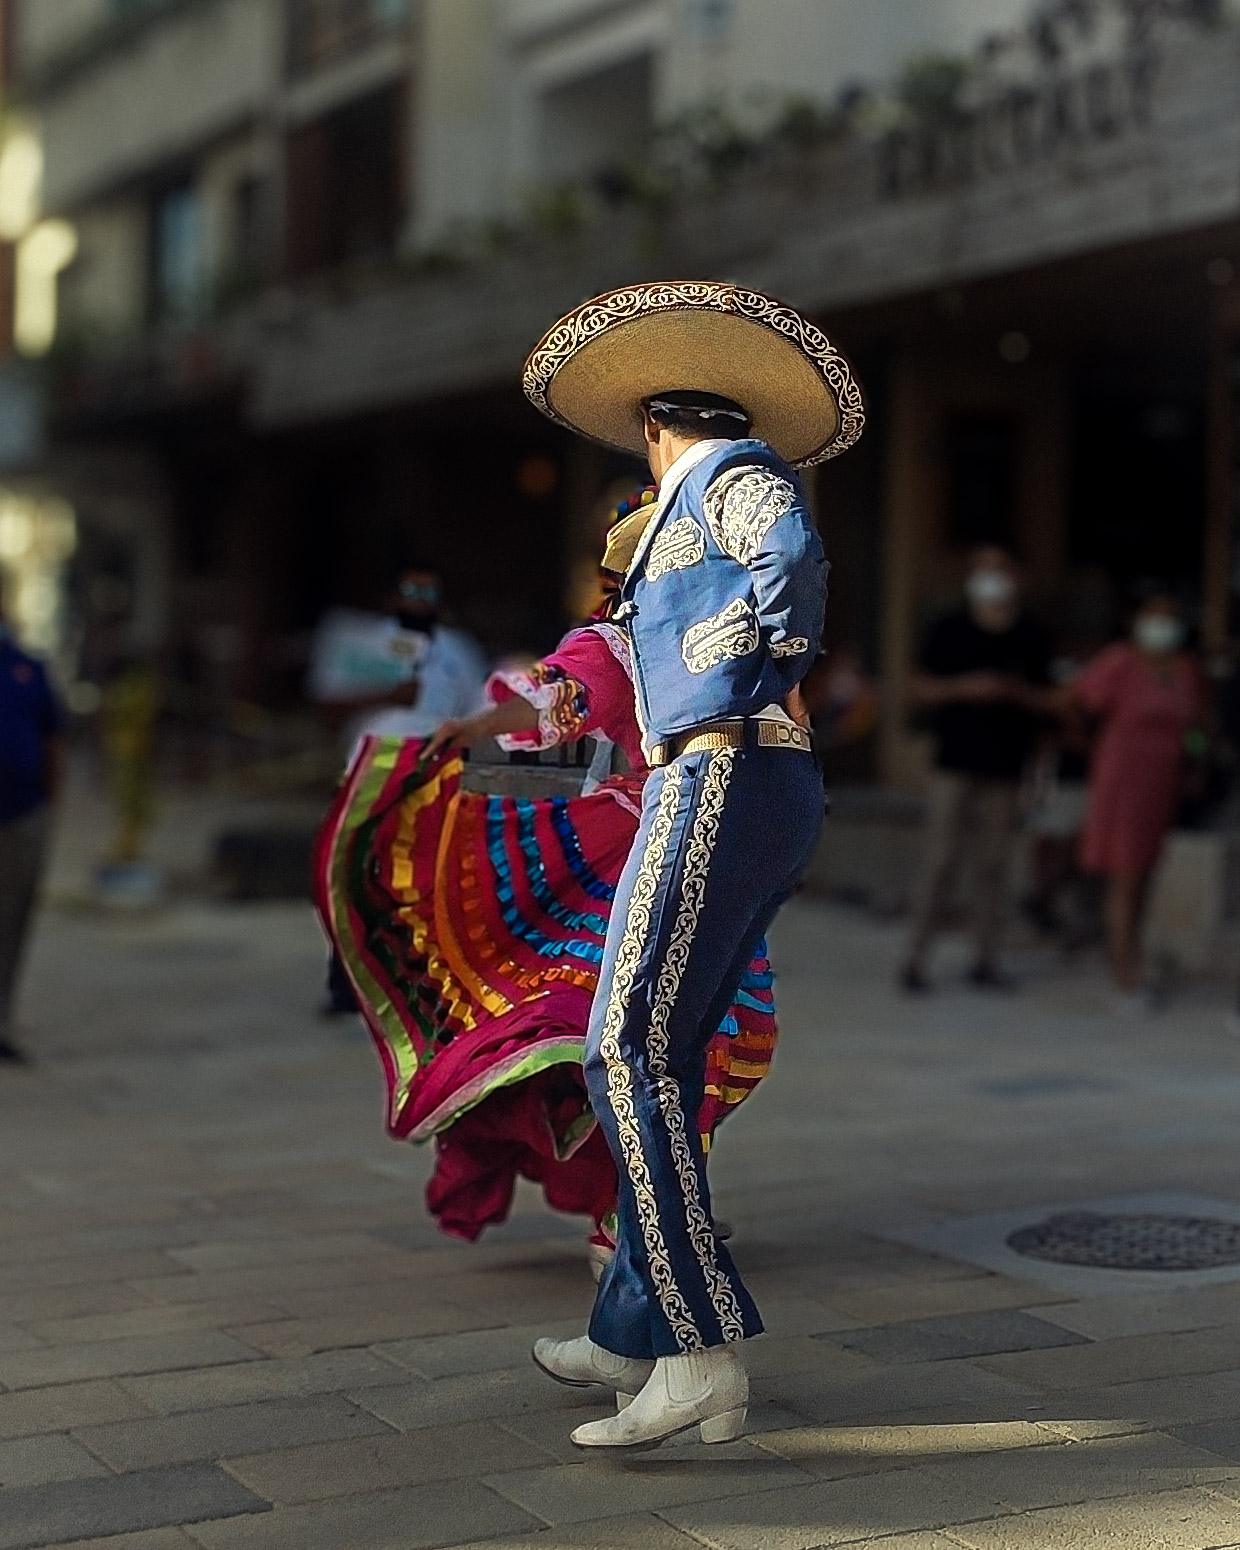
984 674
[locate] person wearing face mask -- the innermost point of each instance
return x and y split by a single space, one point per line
403 673
445 665
983 677
399 672
1147 696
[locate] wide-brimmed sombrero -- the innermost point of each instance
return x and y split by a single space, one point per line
593 368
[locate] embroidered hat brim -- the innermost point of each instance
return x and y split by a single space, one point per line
592 369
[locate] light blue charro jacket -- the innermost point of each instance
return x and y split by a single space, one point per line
724 600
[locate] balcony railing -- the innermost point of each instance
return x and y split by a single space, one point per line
109 36
1037 122
321 32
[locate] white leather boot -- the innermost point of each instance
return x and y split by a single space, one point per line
707 1389
581 1364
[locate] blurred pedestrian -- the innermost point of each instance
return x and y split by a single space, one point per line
1147 694
399 674
449 668
129 717
31 764
840 697
401 671
984 676
1057 904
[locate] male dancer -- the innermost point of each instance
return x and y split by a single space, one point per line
724 391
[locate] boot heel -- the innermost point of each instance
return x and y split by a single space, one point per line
623 1401
724 1428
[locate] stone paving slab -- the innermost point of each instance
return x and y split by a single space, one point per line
304 1337
839 1512
68 1302
84 1269
298 1248
570 1493
1126 1360
293 1475
1109 1318
14 1339
41 1460
265 1281
212 1434
150 1539
328 1372
150 1319
1114 1409
1221 1437
1167 1520
928 1541
26 1246
482 1350
836 1452
378 1297
506 1393
807 1357
58 1409
121 1358
386 1520
629 1531
886 1388
938 1299
955 1335
119 1504
791 1317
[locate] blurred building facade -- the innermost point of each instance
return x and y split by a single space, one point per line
312 240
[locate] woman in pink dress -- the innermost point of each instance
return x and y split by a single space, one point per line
1147 695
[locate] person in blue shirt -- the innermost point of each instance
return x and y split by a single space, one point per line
31 755
725 392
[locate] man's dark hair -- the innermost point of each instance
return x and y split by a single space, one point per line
686 412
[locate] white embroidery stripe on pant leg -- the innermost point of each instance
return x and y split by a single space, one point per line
698 854
620 1080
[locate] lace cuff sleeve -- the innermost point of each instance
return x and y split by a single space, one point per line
562 703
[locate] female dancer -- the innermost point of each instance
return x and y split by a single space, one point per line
472 929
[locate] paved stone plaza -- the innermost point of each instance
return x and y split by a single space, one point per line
226 1323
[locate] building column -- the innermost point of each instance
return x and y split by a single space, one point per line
913 503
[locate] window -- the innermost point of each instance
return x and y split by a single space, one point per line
177 268
321 31
597 119
345 196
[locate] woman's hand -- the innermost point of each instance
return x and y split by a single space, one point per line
509 716
457 732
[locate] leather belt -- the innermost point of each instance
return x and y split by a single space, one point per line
761 732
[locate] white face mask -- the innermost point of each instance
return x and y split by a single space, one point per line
990 588
1159 633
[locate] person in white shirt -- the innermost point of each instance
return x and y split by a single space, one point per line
447 666
397 674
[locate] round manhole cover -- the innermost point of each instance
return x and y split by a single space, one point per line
1131 1242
